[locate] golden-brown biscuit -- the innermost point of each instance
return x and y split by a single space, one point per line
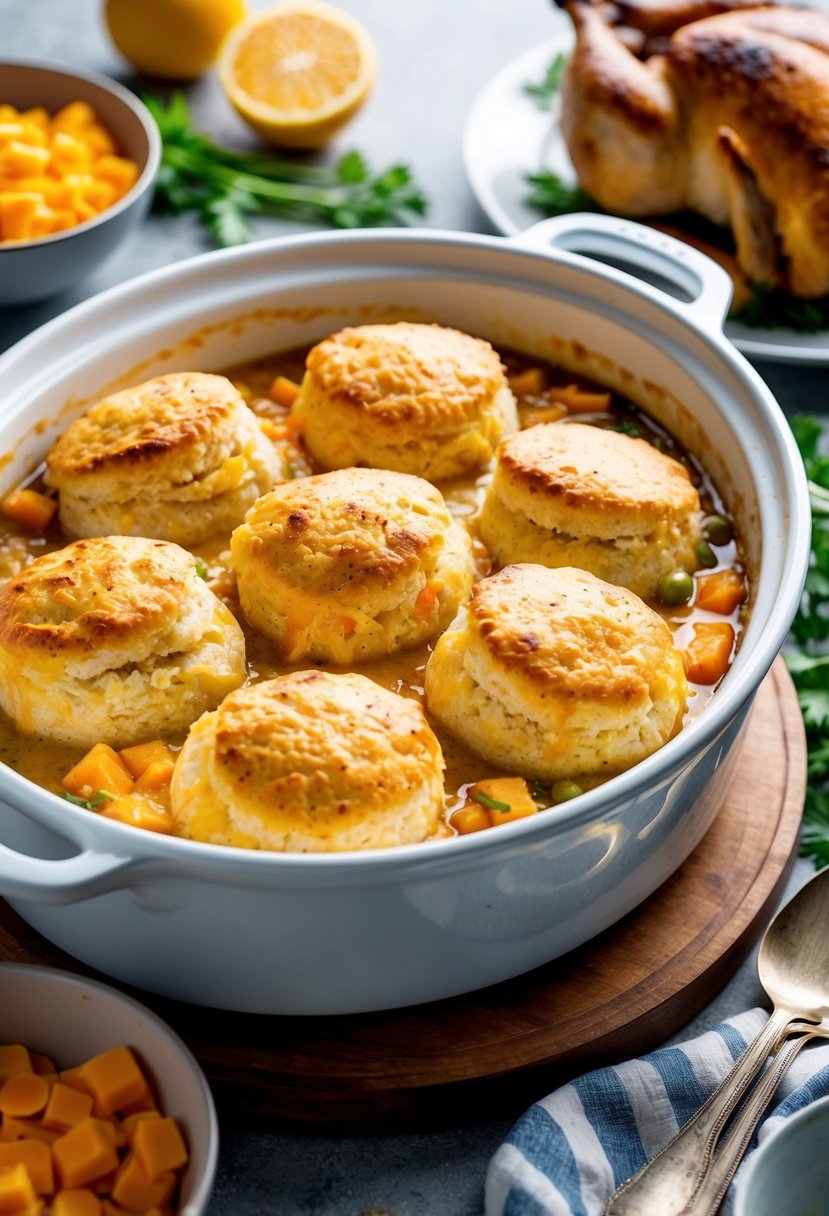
310 762
114 640
419 399
179 458
555 673
566 494
351 565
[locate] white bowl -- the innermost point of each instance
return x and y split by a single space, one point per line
70 1019
788 1175
32 270
338 933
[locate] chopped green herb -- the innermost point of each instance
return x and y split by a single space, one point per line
226 188
808 659
492 803
626 427
545 91
772 308
92 803
555 197
201 567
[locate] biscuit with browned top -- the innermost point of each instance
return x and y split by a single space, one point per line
114 640
310 762
180 458
351 565
418 399
567 494
555 673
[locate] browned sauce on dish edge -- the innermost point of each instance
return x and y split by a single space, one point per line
47 762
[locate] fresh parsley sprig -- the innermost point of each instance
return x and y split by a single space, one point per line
772 308
808 658
226 188
545 91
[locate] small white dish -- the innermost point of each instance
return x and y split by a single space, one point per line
70 1019
789 1172
507 136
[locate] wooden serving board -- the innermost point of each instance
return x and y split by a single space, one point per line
621 994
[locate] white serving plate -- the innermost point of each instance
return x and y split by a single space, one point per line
507 135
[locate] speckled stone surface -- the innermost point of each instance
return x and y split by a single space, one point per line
435 56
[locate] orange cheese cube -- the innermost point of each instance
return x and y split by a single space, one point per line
24 1095
69 155
116 1079
84 1153
76 1202
117 170
13 1060
36 1157
18 159
66 1107
159 1146
134 1190
17 212
26 1129
16 1191
74 117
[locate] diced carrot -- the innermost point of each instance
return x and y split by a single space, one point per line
139 758
511 794
721 592
100 769
84 1153
135 1191
29 508
16 1191
470 818
77 1201
529 383
66 1107
74 117
159 1146
14 1058
117 170
24 1095
709 652
283 391
116 1078
427 600
156 775
579 400
532 415
37 1158
138 811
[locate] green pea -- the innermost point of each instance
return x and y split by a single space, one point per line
563 791
675 588
705 554
717 529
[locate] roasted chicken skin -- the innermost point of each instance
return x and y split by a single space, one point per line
727 114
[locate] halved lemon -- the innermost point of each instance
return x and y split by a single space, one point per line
298 71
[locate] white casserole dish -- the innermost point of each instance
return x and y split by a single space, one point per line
339 933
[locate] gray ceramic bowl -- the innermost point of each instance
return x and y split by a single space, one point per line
70 1018
32 270
789 1173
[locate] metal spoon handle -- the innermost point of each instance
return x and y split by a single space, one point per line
668 1182
733 1146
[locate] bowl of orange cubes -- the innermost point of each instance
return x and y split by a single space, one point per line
78 157
103 1110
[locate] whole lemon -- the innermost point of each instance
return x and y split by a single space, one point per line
174 39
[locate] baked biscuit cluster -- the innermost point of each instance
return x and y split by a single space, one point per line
552 667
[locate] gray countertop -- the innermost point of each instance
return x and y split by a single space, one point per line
435 56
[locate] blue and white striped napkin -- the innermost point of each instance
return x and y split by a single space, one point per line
570 1151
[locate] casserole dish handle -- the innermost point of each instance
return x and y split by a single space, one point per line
646 249
39 880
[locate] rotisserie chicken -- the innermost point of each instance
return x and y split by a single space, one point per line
725 114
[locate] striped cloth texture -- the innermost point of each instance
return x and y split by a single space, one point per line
570 1151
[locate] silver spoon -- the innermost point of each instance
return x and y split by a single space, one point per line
793 968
